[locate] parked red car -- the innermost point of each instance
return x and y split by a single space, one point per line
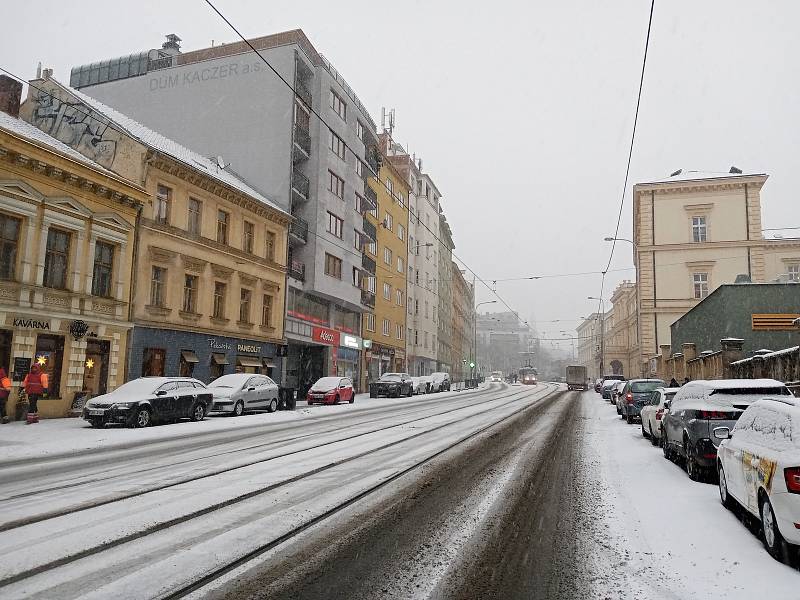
331 390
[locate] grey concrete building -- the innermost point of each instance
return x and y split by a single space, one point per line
444 352
504 342
224 101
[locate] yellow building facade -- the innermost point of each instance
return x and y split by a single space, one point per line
385 328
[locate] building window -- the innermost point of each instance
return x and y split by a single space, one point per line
266 311
359 168
387 256
358 277
369 322
399 297
388 222
794 272
372 247
416 306
360 130
699 230
338 105
398 331
401 265
416 337
158 280
359 205
153 361
56 259
244 305
387 327
371 283
390 187
222 226
426 309
700 281
357 239
248 237
335 225
190 284
163 206
336 185
401 232
195 214
9 241
425 344
336 145
220 291
333 266
416 277
103 269
270 243
387 291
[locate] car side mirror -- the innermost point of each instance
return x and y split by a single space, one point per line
667 404
161 393
251 389
722 433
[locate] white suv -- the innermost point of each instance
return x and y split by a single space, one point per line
759 468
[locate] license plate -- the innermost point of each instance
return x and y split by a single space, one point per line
96 413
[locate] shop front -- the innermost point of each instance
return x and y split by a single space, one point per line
167 352
81 358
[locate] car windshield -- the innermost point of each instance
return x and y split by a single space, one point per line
390 377
639 387
326 383
138 387
229 381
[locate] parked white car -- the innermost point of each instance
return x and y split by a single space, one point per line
440 382
653 412
422 384
240 392
759 468
616 391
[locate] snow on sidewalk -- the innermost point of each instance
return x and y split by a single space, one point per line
657 534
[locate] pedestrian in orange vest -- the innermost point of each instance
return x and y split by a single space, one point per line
5 390
35 384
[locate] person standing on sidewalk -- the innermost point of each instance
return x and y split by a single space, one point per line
35 384
5 391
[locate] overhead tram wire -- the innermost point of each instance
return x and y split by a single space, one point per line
324 122
630 153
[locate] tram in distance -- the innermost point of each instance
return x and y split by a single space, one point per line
527 375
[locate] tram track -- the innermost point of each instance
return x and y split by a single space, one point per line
182 519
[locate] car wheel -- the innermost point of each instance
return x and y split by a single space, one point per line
665 445
653 439
96 423
629 418
410 392
238 409
396 393
352 397
141 418
373 395
770 534
724 496
273 405
198 412
693 470
336 400
644 433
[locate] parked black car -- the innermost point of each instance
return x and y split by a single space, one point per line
146 400
392 385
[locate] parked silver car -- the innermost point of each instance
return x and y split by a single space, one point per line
422 384
240 392
700 408
634 395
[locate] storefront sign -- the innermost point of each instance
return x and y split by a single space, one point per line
21 367
351 341
248 348
322 335
215 345
31 323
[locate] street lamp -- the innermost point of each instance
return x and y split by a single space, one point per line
638 309
475 333
602 332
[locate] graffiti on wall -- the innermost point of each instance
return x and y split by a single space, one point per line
73 123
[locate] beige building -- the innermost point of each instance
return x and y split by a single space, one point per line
693 232
209 275
463 325
66 248
621 353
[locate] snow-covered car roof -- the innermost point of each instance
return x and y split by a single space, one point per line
326 383
735 384
230 379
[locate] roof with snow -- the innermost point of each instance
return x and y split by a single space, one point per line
23 129
687 175
158 142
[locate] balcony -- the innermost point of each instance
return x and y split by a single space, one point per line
297 269
373 159
371 197
298 230
368 264
367 298
301 185
302 142
303 92
370 231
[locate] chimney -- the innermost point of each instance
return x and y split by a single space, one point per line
10 95
47 73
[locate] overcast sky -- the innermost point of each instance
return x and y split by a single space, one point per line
521 111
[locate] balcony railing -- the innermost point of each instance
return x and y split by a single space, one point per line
297 269
371 197
370 231
367 298
303 92
298 229
368 264
301 184
302 139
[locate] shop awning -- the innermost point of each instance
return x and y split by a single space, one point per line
269 364
219 358
248 361
189 356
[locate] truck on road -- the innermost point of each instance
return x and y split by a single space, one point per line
576 378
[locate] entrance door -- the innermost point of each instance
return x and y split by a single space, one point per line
5 350
305 366
95 367
49 356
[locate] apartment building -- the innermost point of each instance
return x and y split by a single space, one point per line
462 341
67 225
444 348
209 270
225 101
